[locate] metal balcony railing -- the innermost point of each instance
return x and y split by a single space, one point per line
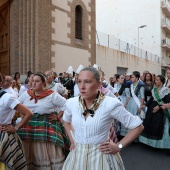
166 7
166 41
165 21
166 3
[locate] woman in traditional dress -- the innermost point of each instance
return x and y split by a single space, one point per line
137 95
136 101
111 83
43 137
76 89
51 84
124 97
17 79
11 149
123 91
91 115
115 79
157 122
28 83
148 86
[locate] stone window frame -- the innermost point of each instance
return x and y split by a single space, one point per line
85 31
78 22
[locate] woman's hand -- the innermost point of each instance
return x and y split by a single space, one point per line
144 106
109 147
72 146
8 128
155 109
139 109
53 117
166 106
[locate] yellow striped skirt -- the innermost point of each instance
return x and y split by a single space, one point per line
88 157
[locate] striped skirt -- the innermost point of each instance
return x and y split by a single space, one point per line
43 156
11 151
88 157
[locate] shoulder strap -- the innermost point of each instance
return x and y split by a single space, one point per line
2 93
122 89
138 88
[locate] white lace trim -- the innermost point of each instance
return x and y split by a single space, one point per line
162 92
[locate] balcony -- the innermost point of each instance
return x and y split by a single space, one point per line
166 62
166 7
165 23
166 43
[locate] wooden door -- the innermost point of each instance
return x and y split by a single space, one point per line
4 39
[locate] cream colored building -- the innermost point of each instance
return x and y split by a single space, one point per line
144 24
39 35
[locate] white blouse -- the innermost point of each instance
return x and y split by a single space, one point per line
113 90
10 90
95 130
45 105
22 89
58 87
76 90
7 103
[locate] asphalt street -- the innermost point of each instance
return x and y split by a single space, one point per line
138 156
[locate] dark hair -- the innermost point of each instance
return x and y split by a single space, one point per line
136 74
26 80
16 75
61 74
150 77
54 74
29 73
117 76
74 73
42 76
94 71
162 78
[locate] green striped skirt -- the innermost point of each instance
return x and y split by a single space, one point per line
88 157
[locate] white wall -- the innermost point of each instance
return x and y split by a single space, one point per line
121 18
66 56
109 59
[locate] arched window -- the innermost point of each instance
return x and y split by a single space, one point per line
78 22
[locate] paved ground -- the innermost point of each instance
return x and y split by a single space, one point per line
138 156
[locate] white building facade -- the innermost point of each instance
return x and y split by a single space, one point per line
144 24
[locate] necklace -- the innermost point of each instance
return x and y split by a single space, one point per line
93 107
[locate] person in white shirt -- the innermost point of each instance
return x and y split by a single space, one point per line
76 89
57 87
7 86
28 83
87 120
43 137
10 142
14 86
